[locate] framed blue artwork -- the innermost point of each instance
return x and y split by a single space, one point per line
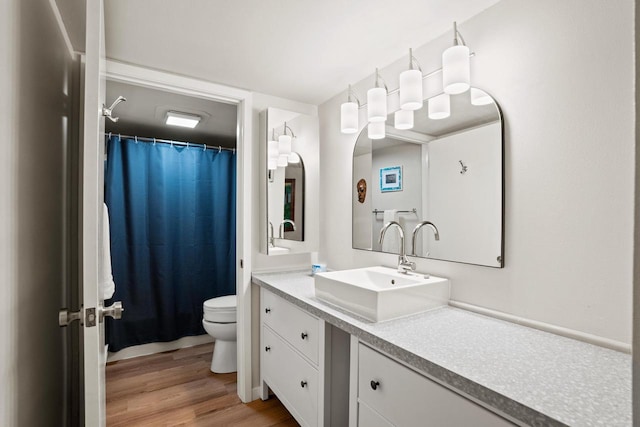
391 179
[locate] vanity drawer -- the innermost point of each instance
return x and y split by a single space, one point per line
406 398
367 417
297 327
292 378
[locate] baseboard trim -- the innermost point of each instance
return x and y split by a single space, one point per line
158 347
546 327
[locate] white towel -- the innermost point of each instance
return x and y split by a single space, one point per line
391 242
107 285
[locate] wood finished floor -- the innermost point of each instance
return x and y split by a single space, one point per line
177 388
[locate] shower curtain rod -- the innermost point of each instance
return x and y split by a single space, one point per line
169 141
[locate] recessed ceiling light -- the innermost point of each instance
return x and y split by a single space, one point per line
182 119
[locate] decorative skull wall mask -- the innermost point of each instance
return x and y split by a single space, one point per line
362 190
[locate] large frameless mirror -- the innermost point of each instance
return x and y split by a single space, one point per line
448 171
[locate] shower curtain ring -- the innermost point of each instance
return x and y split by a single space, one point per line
219 149
136 139
205 147
154 141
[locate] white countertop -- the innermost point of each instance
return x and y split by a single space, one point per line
535 377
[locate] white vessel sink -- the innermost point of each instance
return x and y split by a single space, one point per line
381 293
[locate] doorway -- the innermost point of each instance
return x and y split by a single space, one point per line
183 87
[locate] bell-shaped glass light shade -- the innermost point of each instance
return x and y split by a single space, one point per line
349 117
456 72
284 145
480 97
293 157
283 160
376 130
377 104
272 164
439 107
403 119
272 150
411 90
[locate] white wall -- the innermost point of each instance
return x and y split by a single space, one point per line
563 75
35 67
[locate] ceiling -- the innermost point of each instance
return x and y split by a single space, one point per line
144 113
300 50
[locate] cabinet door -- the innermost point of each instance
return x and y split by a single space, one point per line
298 328
406 398
292 379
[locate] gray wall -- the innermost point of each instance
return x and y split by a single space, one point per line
35 73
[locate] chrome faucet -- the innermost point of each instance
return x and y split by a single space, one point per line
271 239
415 232
404 265
281 229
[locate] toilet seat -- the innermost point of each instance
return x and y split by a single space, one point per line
221 309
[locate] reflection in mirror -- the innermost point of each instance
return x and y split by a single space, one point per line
286 182
447 171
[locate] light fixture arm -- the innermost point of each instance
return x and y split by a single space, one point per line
293 135
351 94
378 78
457 37
412 60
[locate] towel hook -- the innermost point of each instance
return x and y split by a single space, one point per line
107 112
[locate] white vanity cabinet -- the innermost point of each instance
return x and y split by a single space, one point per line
387 393
292 358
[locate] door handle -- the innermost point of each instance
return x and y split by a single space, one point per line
65 317
115 310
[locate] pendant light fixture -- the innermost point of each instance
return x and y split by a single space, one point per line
411 86
403 119
439 106
377 101
283 160
349 114
456 74
376 130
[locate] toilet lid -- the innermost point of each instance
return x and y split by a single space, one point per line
221 309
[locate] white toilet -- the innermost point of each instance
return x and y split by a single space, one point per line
220 322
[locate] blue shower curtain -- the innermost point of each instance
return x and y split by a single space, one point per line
172 214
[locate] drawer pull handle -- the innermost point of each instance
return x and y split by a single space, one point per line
375 384
267 348
267 310
304 335
303 384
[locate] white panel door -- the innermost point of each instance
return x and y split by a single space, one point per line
92 199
